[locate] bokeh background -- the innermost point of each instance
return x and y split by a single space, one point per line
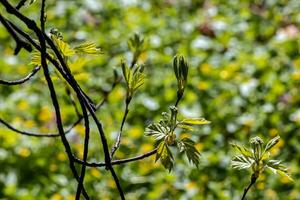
244 77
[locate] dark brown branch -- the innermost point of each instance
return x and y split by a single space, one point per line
26 133
21 4
73 102
98 106
117 162
253 180
66 73
19 42
85 152
23 80
53 95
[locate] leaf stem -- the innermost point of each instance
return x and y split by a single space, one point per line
118 142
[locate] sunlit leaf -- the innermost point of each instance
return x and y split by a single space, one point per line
158 131
77 65
188 146
186 127
164 155
36 58
195 121
138 80
87 48
64 48
243 150
241 162
134 77
272 143
277 168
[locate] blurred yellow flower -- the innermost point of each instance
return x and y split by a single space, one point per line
61 156
56 196
24 152
95 172
22 105
45 114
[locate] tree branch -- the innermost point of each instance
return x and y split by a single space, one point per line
117 162
23 80
66 73
253 180
21 4
19 42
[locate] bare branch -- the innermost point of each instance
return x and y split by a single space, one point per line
23 80
19 42
117 162
21 4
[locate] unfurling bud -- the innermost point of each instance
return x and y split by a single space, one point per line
257 146
181 72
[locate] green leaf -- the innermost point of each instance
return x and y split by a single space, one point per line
135 43
277 168
36 58
134 77
272 143
164 155
186 127
243 150
87 48
158 131
195 121
188 146
241 162
126 72
137 80
63 47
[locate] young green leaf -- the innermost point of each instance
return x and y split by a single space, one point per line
195 121
241 162
87 48
158 131
36 58
137 80
185 127
164 155
63 47
272 143
277 168
134 77
188 146
243 150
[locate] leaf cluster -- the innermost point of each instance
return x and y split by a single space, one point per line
164 133
258 157
134 77
65 49
136 45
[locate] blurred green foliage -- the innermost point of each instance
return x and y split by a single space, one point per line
244 77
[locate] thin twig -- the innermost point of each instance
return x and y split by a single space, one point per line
73 102
23 80
118 141
253 180
98 106
117 162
